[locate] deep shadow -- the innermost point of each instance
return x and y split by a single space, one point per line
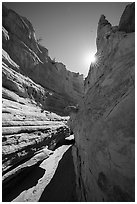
24 180
62 186
64 142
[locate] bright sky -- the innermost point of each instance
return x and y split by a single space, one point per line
68 29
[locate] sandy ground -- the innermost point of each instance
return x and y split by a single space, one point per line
52 180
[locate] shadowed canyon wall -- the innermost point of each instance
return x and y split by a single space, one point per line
104 123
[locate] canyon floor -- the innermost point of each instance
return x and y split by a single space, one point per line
51 180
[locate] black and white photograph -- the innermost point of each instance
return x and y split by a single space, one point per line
68 101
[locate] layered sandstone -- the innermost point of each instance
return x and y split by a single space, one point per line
104 123
35 92
32 61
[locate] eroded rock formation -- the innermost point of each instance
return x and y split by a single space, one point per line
35 92
29 59
104 123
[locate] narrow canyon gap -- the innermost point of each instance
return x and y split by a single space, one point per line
58 126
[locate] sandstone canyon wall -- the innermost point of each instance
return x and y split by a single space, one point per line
58 87
35 92
104 123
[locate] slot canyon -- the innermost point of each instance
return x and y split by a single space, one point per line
66 138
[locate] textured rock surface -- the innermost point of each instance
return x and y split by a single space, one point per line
27 135
29 59
35 92
104 124
26 126
26 131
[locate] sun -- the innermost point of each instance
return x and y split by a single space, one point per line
89 59
93 59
